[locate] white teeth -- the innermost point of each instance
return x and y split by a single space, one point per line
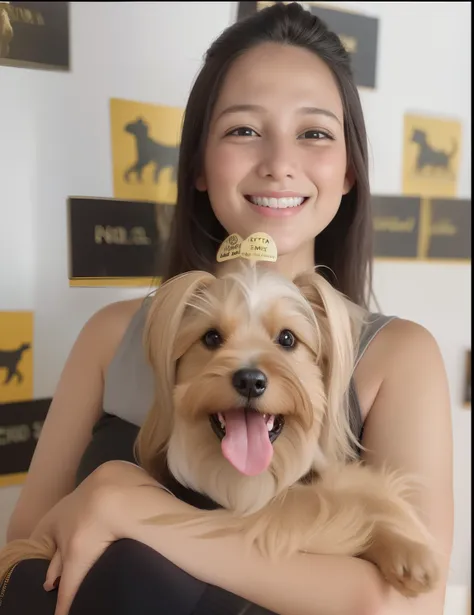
263 201
269 420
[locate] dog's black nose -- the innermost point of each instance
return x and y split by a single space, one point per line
249 382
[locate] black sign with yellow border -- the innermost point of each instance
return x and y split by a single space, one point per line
20 426
35 35
115 242
417 228
358 34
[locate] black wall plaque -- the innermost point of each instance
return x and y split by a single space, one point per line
38 35
20 426
396 226
450 229
245 9
422 228
111 238
358 33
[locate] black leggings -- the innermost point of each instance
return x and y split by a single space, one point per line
129 578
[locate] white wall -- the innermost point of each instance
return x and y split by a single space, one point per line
55 142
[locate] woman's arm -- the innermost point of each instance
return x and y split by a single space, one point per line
300 585
409 427
75 408
115 499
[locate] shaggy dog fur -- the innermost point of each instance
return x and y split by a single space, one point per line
252 375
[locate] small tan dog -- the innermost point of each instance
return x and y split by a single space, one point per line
252 376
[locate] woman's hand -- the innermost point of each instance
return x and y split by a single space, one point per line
84 523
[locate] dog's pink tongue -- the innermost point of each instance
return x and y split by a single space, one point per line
246 444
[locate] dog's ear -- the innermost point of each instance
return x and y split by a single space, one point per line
338 321
161 329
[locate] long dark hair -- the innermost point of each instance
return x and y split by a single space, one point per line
345 246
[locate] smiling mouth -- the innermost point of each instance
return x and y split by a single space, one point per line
273 423
274 203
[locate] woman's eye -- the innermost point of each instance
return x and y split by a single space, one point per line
242 131
315 134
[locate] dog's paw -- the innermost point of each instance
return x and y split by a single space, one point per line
410 567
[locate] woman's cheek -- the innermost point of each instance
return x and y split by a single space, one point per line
228 165
327 169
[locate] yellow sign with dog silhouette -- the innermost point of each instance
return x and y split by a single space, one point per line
431 157
145 149
16 356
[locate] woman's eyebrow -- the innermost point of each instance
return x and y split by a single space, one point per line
319 111
259 109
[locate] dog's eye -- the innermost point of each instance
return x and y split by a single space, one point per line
212 339
287 339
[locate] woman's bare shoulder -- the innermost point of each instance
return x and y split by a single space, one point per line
389 351
108 324
399 337
119 311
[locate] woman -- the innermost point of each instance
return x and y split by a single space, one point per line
274 113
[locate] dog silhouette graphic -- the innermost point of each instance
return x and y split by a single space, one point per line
9 359
150 151
429 157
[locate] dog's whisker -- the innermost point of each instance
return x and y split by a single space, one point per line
200 308
203 306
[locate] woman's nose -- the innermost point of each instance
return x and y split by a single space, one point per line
278 160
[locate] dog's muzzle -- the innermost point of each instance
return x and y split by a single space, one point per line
247 435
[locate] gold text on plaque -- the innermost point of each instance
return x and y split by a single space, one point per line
118 235
394 224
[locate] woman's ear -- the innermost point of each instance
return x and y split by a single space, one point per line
349 181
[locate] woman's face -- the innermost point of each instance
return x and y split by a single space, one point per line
276 157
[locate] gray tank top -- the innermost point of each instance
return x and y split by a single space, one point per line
129 388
